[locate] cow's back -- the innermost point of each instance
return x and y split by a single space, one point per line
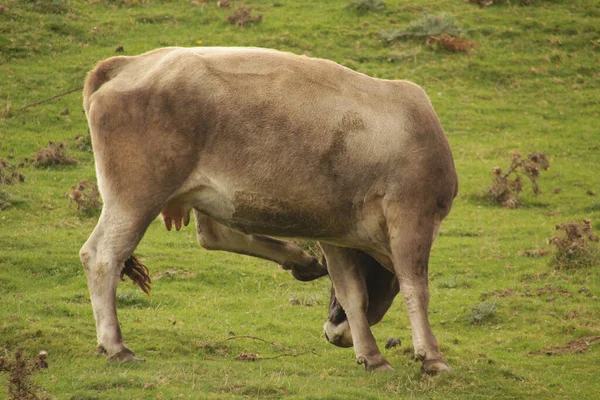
275 131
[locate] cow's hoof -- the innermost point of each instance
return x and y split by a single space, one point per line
306 273
125 355
375 364
434 367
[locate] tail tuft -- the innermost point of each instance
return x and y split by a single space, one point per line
138 273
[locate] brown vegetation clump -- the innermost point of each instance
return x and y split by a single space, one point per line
247 357
576 346
363 6
507 186
9 174
487 3
86 197
450 43
20 386
576 245
83 142
54 154
242 16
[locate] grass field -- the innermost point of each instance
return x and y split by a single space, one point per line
533 84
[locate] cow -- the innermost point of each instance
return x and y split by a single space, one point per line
263 146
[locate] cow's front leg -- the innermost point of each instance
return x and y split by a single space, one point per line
351 291
213 235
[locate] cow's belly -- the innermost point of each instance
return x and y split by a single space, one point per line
260 213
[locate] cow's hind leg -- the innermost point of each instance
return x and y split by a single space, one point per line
104 256
350 286
411 237
215 236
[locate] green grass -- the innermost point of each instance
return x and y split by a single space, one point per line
532 85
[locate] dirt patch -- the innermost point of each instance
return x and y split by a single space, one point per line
247 357
530 292
306 301
535 253
487 3
499 293
174 273
551 290
587 292
450 43
576 346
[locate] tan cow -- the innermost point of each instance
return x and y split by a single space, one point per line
260 143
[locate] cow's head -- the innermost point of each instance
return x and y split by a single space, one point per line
382 288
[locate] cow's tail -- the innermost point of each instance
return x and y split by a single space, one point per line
104 72
138 273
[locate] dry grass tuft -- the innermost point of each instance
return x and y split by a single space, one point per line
83 142
576 245
5 200
439 31
484 312
247 357
507 186
242 16
425 27
20 386
53 154
364 6
450 43
9 174
86 198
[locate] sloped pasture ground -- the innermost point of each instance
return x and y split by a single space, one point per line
531 85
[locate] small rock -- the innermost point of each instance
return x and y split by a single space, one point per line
392 342
41 362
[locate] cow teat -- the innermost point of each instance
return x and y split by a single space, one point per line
177 213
